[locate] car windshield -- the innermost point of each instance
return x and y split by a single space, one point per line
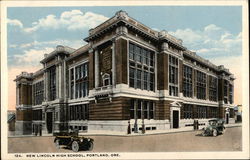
212 123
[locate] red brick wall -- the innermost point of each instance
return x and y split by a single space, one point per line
162 68
121 51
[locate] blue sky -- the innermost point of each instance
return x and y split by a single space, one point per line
213 32
179 21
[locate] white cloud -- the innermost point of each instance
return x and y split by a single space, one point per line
70 20
234 64
218 45
13 46
188 35
211 41
15 22
53 43
156 29
212 27
31 56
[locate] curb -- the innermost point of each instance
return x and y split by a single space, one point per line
130 135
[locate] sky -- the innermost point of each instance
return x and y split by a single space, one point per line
213 32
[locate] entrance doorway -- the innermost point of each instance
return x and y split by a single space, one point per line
49 122
175 119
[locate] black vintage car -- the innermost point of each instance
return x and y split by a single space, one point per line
215 127
73 141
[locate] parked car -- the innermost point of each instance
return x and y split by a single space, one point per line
73 141
215 127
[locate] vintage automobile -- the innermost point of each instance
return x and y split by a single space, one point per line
215 127
73 141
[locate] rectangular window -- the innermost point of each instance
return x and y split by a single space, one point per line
80 82
52 83
143 109
131 51
37 114
202 111
141 68
38 92
132 109
139 109
132 77
213 112
78 112
188 111
230 93
225 91
151 110
173 76
213 88
145 80
139 79
187 81
201 85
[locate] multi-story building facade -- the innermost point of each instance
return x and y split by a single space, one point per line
126 73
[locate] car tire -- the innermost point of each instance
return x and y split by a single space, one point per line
57 144
90 146
215 132
75 146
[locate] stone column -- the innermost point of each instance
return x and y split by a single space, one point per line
207 87
32 95
74 90
65 93
59 81
91 69
46 86
96 68
156 71
17 94
194 82
113 63
44 123
180 77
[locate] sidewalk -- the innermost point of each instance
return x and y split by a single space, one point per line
156 132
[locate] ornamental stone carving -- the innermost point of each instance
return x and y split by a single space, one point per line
122 15
164 46
122 30
162 33
59 48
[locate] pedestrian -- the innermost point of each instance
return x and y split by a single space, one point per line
129 130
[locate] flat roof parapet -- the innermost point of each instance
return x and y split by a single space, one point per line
200 59
165 34
59 49
122 16
24 75
222 68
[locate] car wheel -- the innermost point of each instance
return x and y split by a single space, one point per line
215 133
57 143
90 147
75 146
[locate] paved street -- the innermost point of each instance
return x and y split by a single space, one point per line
182 141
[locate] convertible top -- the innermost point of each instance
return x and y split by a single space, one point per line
218 120
74 133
